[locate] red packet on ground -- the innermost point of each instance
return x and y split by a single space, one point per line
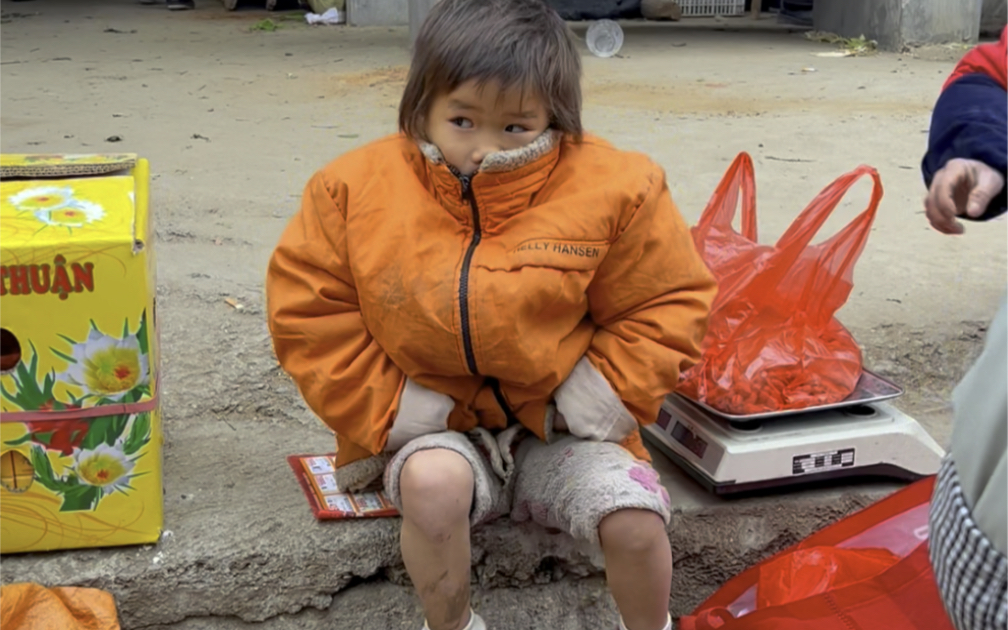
316 475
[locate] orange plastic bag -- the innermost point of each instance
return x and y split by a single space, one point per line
772 343
881 577
29 606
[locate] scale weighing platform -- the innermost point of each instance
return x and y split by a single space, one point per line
860 436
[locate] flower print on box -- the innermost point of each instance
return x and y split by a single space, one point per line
106 367
82 460
57 206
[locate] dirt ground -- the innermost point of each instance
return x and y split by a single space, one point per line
235 120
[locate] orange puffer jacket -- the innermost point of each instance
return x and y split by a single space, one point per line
405 300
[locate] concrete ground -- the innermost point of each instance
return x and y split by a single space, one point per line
234 122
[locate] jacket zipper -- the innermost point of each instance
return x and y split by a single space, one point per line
467 194
470 355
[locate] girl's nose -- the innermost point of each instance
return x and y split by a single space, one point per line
484 149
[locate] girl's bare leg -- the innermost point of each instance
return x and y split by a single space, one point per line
436 488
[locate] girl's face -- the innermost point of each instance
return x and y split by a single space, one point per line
474 121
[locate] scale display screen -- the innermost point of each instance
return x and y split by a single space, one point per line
690 440
663 419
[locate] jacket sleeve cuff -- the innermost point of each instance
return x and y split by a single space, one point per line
421 411
968 122
590 406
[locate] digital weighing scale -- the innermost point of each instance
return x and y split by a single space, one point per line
860 436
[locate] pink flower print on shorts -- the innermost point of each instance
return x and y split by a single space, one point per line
647 477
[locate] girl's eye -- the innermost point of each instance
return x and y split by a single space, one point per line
463 123
515 129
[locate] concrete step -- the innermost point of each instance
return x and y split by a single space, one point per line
571 604
242 546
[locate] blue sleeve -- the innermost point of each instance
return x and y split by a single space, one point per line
970 120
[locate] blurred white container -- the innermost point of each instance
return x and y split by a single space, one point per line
604 38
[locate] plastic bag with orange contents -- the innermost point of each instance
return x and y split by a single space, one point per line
773 343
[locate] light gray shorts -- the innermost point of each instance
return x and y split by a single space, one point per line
570 485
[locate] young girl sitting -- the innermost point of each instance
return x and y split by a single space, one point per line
486 307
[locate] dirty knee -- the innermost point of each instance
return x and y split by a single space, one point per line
632 531
436 491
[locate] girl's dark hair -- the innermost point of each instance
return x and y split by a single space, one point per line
517 43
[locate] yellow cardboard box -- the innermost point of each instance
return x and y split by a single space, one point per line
80 426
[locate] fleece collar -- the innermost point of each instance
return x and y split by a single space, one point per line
504 161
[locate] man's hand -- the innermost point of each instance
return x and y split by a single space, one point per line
961 188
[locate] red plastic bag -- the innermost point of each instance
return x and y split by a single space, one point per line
884 581
772 343
808 572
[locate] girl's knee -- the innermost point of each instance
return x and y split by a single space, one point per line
436 490
632 531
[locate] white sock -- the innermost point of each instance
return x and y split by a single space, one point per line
476 622
667 626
